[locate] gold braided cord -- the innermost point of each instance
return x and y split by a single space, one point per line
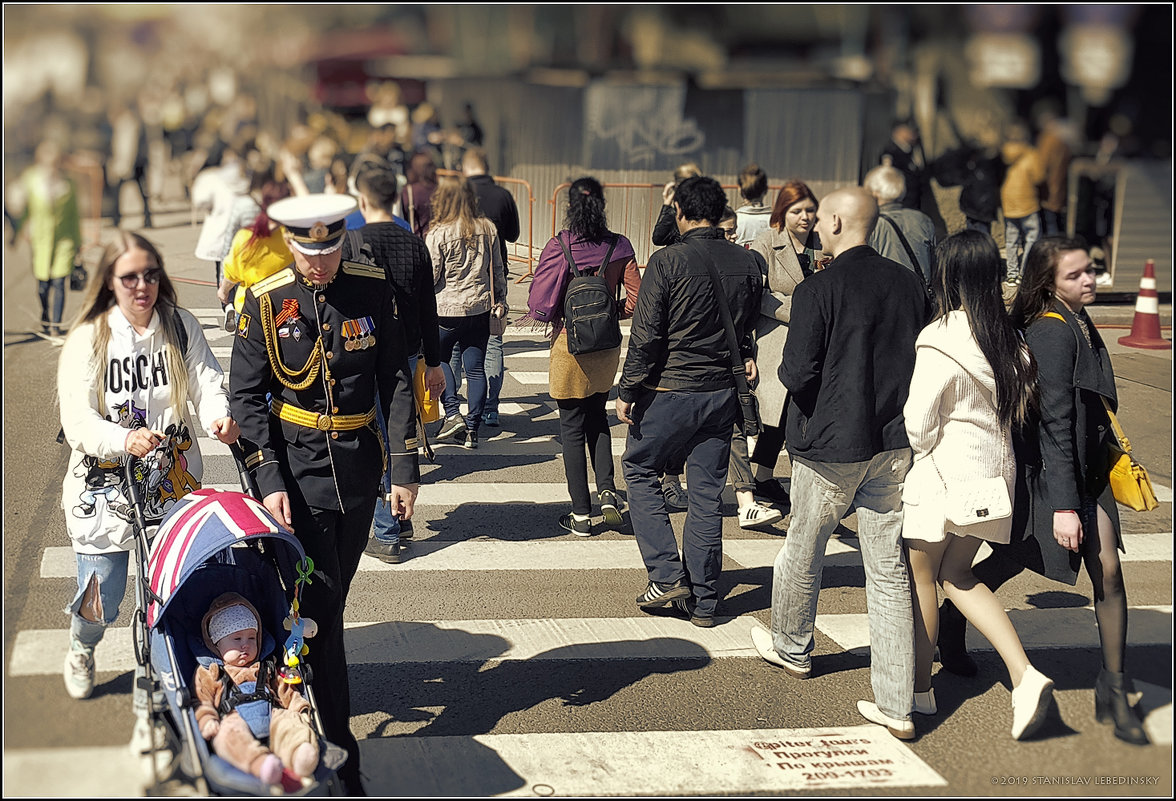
308 372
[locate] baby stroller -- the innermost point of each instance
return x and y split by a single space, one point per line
212 542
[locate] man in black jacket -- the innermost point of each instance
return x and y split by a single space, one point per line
677 394
499 207
847 366
405 261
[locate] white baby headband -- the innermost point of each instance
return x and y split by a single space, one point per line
230 620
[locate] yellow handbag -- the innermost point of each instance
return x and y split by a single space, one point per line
1130 482
427 405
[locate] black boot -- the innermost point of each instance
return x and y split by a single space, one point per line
953 648
1111 705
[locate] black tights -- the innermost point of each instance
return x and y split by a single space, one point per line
1101 557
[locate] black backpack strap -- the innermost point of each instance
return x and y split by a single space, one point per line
568 255
606 262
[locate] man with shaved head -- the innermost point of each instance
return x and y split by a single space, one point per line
847 366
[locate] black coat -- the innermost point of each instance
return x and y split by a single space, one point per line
1064 457
678 340
498 205
849 357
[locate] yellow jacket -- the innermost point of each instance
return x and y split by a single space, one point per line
246 265
1019 192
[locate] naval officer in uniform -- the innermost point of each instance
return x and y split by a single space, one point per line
322 339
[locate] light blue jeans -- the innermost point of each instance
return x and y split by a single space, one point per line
1020 232
821 495
110 571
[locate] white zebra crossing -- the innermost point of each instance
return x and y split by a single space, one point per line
564 763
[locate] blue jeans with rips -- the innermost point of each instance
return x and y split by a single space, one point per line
821 495
109 572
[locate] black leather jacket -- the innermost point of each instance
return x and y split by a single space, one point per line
677 341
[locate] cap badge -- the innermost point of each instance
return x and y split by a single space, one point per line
318 232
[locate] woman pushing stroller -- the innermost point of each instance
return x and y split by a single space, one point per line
128 368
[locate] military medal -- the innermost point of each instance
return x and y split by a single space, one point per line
368 327
350 331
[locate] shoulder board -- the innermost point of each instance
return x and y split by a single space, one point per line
363 270
278 279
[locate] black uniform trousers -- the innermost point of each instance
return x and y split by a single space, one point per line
335 540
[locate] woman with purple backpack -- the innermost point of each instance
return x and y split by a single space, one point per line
581 383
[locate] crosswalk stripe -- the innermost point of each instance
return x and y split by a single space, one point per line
581 764
1071 627
108 771
579 554
39 652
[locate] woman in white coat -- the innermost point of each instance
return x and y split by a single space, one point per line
973 383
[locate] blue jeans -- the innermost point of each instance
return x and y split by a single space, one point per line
821 495
698 424
495 370
1020 232
470 335
385 525
51 312
110 572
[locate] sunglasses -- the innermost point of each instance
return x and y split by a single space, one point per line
150 277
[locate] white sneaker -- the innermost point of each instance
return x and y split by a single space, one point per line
230 319
902 729
1030 702
79 672
761 639
758 515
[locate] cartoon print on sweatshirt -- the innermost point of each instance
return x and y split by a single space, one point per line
103 478
179 482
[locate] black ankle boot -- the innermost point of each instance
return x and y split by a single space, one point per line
953 648
1111 705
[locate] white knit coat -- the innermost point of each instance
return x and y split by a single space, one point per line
954 429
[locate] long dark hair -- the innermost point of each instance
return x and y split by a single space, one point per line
585 217
1035 296
969 278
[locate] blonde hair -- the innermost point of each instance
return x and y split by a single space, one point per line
454 201
99 299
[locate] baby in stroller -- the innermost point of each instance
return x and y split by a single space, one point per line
241 699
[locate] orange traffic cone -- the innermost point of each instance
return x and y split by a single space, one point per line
1145 328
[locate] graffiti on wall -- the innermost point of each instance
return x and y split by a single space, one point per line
639 127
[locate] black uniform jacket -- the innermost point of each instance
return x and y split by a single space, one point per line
331 469
1064 457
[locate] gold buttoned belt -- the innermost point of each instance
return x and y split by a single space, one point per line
322 422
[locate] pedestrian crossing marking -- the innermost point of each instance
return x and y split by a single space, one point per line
579 764
39 652
576 553
1067 627
107 772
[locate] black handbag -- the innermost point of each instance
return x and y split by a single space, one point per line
77 278
748 403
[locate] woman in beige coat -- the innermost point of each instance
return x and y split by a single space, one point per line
791 249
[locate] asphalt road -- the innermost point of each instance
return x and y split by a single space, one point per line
507 657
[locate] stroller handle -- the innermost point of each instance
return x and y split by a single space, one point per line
248 483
